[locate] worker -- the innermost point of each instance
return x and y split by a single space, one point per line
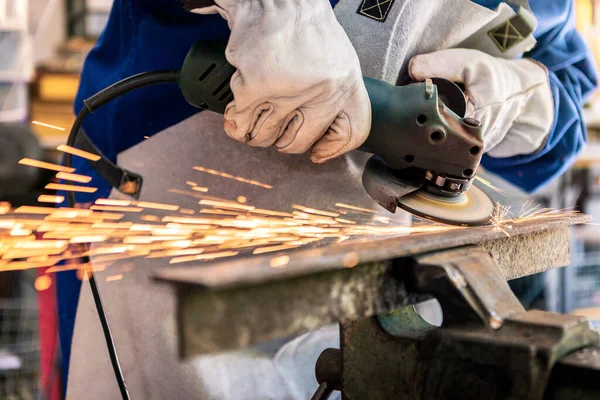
299 90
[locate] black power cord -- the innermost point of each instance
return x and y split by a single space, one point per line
90 105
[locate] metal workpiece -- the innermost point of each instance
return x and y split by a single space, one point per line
471 356
237 303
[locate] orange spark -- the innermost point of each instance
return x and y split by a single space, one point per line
200 189
77 152
348 206
113 202
44 198
58 128
88 239
489 184
116 208
157 206
45 165
36 210
113 278
351 260
226 204
208 256
315 211
42 283
74 177
149 218
278 262
71 188
229 176
270 249
345 221
242 199
4 207
82 273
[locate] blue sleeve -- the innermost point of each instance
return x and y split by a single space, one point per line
573 78
140 36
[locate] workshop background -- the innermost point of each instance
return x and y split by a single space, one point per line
43 44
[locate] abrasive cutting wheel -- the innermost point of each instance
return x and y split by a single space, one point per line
471 208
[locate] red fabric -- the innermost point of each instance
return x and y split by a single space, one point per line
48 329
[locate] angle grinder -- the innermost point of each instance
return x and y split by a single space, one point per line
426 152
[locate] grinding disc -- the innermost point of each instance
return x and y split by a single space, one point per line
473 207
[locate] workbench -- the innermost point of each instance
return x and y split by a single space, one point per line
237 303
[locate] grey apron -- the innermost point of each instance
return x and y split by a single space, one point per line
142 312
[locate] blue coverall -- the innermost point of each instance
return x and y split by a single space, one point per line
146 35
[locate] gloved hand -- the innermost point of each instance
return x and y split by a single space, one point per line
298 84
511 98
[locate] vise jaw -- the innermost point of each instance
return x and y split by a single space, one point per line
488 347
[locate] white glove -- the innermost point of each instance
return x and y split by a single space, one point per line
298 84
511 98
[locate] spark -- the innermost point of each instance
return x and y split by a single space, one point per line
225 204
19 231
112 202
157 206
188 220
489 184
112 225
351 260
116 208
71 188
229 176
4 207
74 177
315 211
146 137
113 278
345 221
45 165
200 189
58 128
280 261
503 218
44 198
191 183
45 236
36 210
270 249
77 152
208 256
42 283
219 212
82 273
88 239
354 208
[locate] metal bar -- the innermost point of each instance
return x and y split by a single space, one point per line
220 308
255 270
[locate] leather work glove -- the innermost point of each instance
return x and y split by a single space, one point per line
511 98
298 84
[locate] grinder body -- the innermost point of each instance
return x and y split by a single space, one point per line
419 143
